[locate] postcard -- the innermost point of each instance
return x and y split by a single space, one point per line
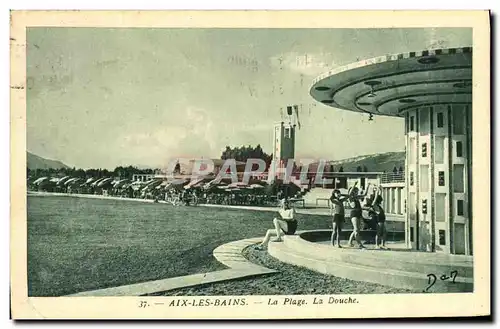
250 164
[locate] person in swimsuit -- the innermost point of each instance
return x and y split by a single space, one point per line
338 212
356 213
379 214
285 225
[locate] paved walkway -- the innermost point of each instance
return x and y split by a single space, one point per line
229 254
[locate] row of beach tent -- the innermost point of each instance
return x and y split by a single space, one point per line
113 183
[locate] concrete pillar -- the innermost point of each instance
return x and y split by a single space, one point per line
438 151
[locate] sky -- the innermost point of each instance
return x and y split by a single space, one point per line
101 98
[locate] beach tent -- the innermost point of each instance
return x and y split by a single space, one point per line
177 184
137 185
163 184
126 186
39 180
94 183
63 180
104 182
73 181
193 183
152 185
121 183
70 181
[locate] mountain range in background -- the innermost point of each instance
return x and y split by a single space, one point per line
37 162
380 162
374 162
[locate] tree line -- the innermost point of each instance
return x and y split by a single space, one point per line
120 171
243 153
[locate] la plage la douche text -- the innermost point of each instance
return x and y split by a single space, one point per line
273 301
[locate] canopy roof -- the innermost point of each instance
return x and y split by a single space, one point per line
392 84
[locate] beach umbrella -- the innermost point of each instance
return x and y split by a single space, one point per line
90 180
54 180
39 180
104 182
256 186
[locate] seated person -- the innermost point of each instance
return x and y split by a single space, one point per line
286 224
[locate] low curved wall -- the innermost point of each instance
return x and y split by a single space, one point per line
397 267
369 235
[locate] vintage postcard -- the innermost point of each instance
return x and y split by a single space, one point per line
250 164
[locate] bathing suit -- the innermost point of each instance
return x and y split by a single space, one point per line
338 207
356 210
291 223
380 215
291 227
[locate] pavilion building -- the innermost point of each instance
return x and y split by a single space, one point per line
431 91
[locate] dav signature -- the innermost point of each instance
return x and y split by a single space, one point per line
432 279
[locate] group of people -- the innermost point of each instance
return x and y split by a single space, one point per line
375 213
286 223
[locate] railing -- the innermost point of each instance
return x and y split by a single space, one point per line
393 178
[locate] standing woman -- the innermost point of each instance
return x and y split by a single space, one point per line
338 213
379 213
356 213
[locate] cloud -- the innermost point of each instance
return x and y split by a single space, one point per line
183 138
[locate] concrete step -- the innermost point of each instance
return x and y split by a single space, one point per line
375 261
332 264
398 259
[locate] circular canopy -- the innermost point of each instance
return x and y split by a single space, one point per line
390 85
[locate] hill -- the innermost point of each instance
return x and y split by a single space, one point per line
36 162
373 162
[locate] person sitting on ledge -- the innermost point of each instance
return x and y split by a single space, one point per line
285 225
